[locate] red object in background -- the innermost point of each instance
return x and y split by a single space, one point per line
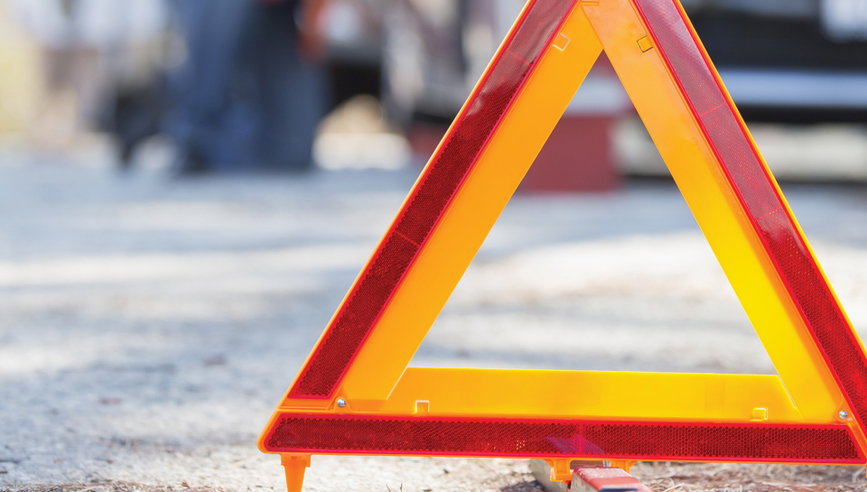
576 157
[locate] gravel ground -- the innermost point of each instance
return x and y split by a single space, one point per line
149 327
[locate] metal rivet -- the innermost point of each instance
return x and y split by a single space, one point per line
843 415
341 403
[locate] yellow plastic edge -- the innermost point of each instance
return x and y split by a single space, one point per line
591 395
521 393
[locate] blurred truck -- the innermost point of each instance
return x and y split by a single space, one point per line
782 60
788 64
793 61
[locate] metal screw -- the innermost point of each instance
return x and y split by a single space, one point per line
341 403
843 415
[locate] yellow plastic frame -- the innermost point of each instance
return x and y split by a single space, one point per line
379 381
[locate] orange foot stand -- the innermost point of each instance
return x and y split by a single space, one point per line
295 465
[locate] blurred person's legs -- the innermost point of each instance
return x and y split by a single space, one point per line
208 122
244 98
291 92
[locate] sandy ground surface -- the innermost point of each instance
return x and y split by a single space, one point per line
149 327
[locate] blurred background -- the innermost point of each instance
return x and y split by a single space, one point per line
229 86
189 187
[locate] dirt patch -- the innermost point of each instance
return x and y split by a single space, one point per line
661 477
694 477
106 486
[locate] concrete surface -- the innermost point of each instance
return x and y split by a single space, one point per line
820 152
148 327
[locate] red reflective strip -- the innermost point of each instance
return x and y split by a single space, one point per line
740 161
660 441
429 199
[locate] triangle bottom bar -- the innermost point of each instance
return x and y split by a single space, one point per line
650 441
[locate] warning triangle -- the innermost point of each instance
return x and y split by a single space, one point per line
356 395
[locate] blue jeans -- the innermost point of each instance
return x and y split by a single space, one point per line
243 98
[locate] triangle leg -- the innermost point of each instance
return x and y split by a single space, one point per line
700 173
295 465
